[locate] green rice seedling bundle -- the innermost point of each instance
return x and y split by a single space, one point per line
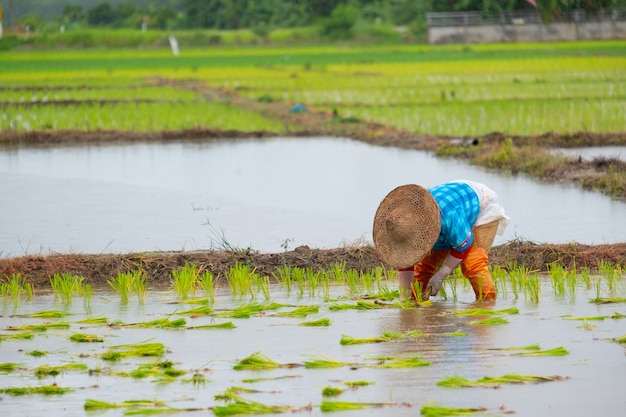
253 380
332 391
535 346
41 390
456 333
86 338
490 382
492 321
185 281
24 335
486 312
322 322
615 316
324 362
301 311
16 287
241 406
47 370
116 353
258 361
94 320
199 311
621 339
607 300
333 406
250 309
225 325
66 285
356 384
240 278
164 323
441 411
387 336
39 327
8 367
46 314
161 371
206 282
412 362
557 351
37 353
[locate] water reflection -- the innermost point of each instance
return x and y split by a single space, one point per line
265 194
588 153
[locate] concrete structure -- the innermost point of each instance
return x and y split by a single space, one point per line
475 27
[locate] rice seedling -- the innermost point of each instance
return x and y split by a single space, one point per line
557 351
164 323
621 340
37 353
490 382
86 338
456 333
318 362
557 278
492 321
42 390
441 411
392 362
199 311
39 327
16 287
185 281
615 316
197 378
301 311
334 406
250 309
332 391
206 283
283 275
253 380
127 283
607 300
93 320
485 311
47 370
46 314
225 325
239 278
258 361
612 273
387 336
359 305
8 367
25 335
322 322
66 285
161 371
241 406
356 384
116 353
528 347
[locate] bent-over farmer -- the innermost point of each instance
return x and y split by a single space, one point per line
426 233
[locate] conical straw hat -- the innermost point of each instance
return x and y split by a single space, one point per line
406 226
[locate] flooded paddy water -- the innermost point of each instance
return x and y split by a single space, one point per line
586 378
264 194
267 195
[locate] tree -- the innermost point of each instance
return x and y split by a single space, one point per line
101 15
72 14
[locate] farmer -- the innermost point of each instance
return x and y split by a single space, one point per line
425 234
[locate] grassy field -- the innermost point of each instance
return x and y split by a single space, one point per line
518 89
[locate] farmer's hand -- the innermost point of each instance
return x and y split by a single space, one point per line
435 283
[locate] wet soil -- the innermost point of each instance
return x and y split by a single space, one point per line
158 266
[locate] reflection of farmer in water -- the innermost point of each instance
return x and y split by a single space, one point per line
425 234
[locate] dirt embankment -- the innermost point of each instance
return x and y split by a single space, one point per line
158 266
97 269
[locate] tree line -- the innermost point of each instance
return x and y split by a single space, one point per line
265 15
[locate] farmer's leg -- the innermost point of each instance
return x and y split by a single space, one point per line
427 267
475 265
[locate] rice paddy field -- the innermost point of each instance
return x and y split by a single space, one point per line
522 89
316 343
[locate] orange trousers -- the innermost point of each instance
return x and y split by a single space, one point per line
474 266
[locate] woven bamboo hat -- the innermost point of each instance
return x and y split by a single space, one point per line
406 226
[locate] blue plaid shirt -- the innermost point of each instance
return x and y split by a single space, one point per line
459 207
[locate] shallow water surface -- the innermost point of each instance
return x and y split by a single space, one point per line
269 195
593 371
591 152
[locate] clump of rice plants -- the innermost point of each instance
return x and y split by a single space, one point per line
163 371
94 320
40 327
491 321
332 406
258 361
127 283
392 362
16 287
621 340
164 323
607 300
225 325
66 285
8 367
250 309
24 335
356 384
253 380
441 411
557 351
528 347
119 352
42 390
324 362
486 311
322 322
241 406
37 353
47 370
185 281
86 338
332 391
206 283
490 382
46 314
301 311
386 337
